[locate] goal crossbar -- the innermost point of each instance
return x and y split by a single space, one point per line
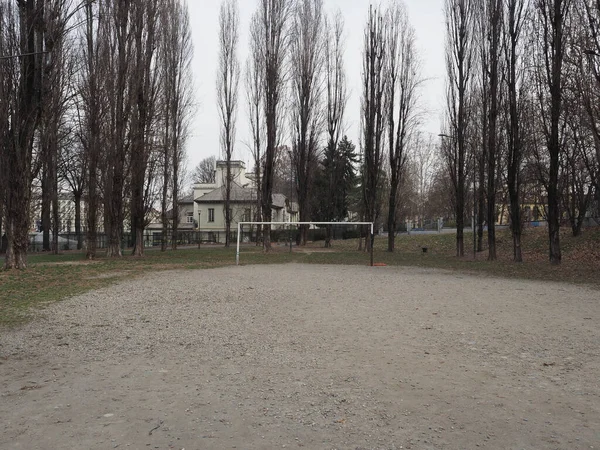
290 224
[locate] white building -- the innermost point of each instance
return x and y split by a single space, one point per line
205 209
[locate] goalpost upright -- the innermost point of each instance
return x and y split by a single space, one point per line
240 224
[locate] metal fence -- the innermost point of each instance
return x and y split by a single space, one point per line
71 241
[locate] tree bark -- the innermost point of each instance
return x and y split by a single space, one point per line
46 208
120 144
77 199
554 138
494 12
21 136
373 115
392 223
515 12
228 75
515 226
144 26
273 17
92 102
459 60
164 217
56 219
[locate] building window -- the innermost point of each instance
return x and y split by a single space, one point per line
189 217
211 214
247 215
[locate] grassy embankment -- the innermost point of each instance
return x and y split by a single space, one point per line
54 277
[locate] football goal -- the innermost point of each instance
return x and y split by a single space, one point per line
289 225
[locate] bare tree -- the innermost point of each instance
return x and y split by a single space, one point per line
228 77
551 27
119 95
579 166
165 60
337 98
424 164
255 108
174 59
204 172
494 13
273 45
401 102
8 75
589 84
577 174
306 50
72 169
58 70
459 64
24 122
144 93
373 115
515 16
94 54
182 105
479 135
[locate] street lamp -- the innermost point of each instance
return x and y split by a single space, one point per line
474 215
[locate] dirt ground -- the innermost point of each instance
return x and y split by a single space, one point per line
305 356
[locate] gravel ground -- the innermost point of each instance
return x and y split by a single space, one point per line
320 357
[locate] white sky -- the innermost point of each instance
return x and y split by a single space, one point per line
425 15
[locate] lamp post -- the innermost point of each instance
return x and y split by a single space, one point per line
474 214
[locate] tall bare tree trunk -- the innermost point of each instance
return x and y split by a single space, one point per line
273 45
515 13
254 101
92 70
228 76
336 106
24 124
119 150
459 61
164 217
495 27
373 120
144 24
56 220
46 204
401 97
551 16
307 60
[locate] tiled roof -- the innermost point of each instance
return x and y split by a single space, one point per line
238 194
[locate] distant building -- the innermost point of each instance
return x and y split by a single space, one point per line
66 215
209 200
204 209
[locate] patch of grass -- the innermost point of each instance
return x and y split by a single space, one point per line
54 277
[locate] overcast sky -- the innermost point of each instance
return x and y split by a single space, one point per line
425 15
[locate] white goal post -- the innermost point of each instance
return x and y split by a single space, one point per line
290 224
